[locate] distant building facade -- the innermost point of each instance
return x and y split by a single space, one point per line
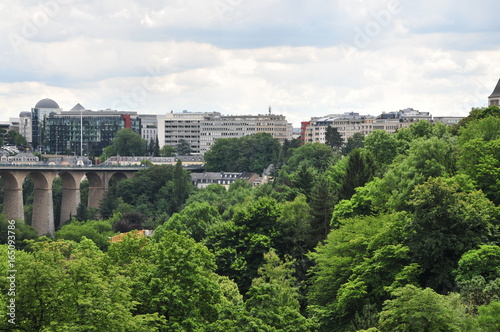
65 136
201 130
203 180
347 124
39 115
149 127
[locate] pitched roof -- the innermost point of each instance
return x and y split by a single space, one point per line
496 92
78 107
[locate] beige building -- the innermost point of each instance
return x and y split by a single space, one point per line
201 130
350 123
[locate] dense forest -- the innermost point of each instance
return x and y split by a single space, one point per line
388 232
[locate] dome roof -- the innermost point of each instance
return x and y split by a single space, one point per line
25 114
46 103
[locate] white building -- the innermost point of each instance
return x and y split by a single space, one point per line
201 130
149 127
349 123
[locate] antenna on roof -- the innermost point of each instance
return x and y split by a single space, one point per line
269 109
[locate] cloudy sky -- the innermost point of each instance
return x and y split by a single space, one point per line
304 58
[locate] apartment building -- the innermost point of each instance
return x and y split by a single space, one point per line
349 123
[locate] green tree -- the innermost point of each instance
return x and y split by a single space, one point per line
480 160
477 114
251 153
360 170
239 244
66 287
415 309
195 219
99 231
322 201
316 155
449 218
167 151
181 186
357 265
478 276
178 282
183 148
151 147
487 129
384 147
273 296
333 138
156 148
356 141
128 143
489 317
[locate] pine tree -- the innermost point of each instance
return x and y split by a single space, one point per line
156 150
333 138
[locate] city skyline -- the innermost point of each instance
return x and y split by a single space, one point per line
303 59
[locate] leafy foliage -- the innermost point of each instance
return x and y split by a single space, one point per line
251 153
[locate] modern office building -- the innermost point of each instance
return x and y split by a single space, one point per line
149 127
201 130
87 132
215 126
39 115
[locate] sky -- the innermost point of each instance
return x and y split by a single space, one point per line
303 58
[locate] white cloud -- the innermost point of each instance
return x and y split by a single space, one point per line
238 57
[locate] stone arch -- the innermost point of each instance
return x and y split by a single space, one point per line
119 176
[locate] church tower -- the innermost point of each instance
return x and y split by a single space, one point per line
494 98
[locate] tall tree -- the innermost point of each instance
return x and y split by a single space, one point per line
333 138
156 149
449 218
360 170
274 297
181 186
251 153
167 151
128 143
416 310
356 141
183 148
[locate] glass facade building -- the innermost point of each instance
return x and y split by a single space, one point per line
65 134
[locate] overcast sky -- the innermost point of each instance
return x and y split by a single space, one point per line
304 58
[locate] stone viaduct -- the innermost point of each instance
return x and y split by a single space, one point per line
43 176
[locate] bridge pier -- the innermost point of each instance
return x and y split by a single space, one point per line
97 188
70 194
43 206
43 177
13 205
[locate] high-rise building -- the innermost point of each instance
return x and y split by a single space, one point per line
39 115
